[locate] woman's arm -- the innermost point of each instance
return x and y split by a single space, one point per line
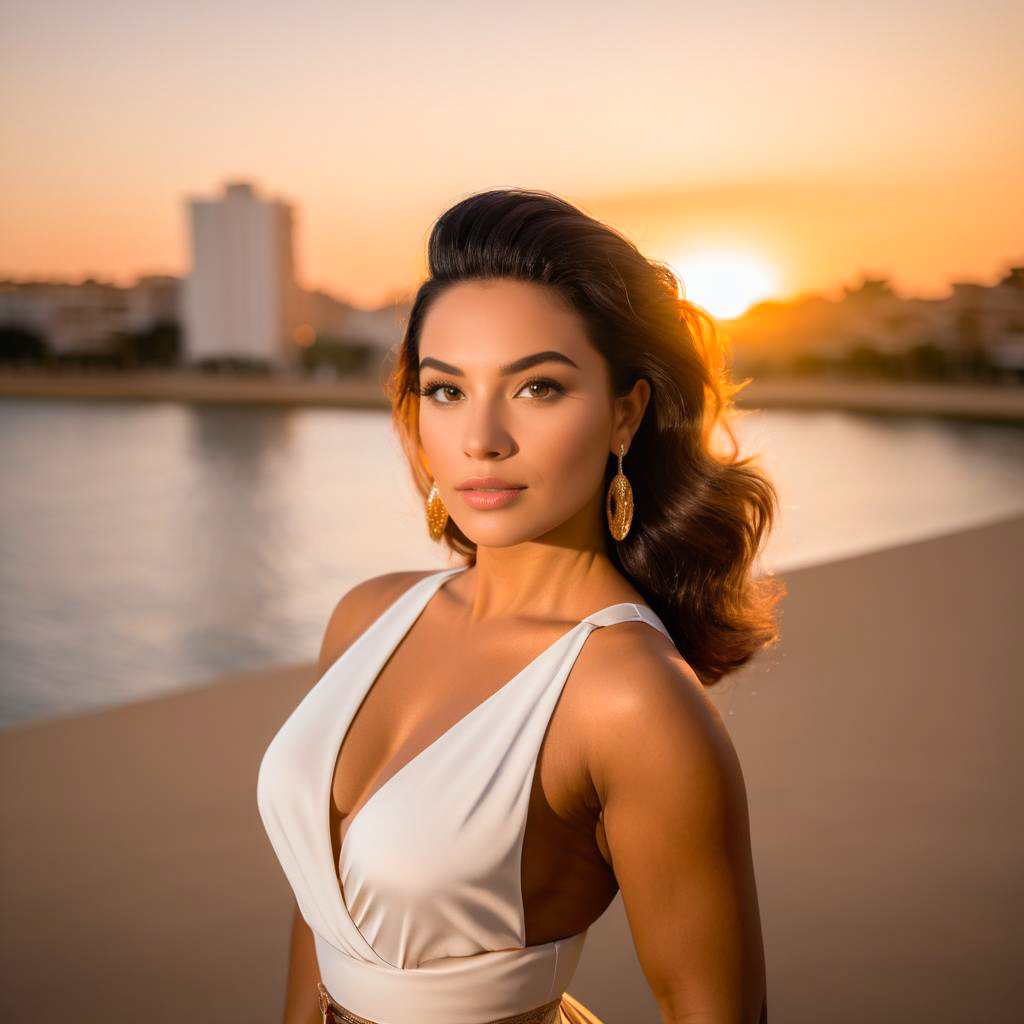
301 1005
676 822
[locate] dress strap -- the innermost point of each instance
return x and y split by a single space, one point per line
625 612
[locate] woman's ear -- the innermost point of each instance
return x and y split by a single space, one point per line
629 408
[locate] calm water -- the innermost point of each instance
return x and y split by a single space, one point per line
149 546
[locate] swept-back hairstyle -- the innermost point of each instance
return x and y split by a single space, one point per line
700 514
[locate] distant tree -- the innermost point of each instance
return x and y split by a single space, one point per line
927 361
346 356
22 346
863 360
157 345
809 364
96 358
973 357
246 365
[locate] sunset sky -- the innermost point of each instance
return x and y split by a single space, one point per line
770 148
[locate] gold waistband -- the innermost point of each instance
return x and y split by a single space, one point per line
337 1014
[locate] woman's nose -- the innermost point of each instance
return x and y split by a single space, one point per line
486 435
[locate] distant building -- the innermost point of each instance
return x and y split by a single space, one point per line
994 320
976 324
73 318
240 296
154 299
329 321
86 317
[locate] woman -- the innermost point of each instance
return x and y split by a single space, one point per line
493 750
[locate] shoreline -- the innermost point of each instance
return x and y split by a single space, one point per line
985 403
880 752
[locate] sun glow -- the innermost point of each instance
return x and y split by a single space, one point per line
725 282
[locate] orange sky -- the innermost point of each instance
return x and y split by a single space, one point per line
827 142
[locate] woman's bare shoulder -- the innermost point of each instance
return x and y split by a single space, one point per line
361 606
636 684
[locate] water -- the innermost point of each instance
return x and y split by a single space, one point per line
145 547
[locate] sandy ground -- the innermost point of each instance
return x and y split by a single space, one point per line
880 745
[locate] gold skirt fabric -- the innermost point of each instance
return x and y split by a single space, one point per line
572 1011
566 1010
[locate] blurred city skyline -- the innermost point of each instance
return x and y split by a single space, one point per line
769 152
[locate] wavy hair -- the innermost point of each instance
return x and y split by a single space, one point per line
701 514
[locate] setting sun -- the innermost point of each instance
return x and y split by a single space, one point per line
726 282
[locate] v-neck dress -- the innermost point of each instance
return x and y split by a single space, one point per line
428 924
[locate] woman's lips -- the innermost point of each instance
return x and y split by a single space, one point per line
487 499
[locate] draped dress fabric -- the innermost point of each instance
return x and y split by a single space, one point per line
428 924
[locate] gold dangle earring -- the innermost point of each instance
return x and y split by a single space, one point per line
619 492
437 514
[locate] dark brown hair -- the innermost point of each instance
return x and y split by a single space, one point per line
701 514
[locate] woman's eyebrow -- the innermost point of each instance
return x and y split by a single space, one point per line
516 367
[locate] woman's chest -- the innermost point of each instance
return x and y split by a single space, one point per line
440 691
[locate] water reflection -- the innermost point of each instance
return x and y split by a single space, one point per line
148 546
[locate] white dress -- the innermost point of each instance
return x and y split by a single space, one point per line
428 925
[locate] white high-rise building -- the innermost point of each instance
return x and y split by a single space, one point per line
240 298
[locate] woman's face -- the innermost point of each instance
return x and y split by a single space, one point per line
511 388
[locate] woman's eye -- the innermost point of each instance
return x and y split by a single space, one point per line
547 389
547 385
432 389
